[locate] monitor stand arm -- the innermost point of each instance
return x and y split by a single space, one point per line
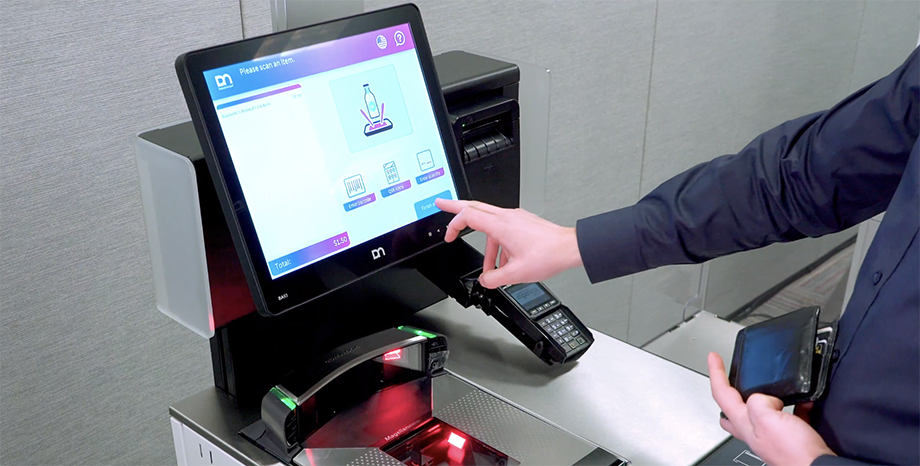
449 267
455 268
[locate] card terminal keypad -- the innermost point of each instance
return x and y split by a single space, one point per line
560 327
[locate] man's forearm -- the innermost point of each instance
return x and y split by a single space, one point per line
811 176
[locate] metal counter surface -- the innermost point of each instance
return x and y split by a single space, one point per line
645 408
213 415
524 437
624 399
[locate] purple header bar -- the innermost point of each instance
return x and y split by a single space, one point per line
295 64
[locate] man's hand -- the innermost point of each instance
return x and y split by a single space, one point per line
532 249
779 438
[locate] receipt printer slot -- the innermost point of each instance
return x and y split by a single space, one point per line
481 95
489 141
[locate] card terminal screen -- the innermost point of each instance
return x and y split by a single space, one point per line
528 295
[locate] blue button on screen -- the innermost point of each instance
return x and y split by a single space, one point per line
426 206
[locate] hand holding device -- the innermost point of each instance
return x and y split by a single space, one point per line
532 249
787 357
775 436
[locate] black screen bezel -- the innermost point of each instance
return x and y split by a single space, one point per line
282 294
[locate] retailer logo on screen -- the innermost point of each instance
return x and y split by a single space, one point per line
223 81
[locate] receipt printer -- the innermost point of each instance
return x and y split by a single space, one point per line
482 104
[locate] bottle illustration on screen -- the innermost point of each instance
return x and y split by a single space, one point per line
376 123
371 102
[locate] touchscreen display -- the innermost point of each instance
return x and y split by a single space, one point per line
770 356
333 144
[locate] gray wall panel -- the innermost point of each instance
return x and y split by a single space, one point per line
723 72
726 71
888 33
737 279
89 366
256 16
658 301
599 53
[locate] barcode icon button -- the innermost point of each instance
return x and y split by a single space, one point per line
354 186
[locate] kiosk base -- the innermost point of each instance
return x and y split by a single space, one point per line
520 436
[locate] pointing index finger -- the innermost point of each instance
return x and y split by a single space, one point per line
471 217
449 205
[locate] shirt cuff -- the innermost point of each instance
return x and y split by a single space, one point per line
609 246
831 460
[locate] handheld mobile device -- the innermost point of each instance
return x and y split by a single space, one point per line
788 357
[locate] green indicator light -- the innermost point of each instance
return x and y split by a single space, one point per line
284 398
416 331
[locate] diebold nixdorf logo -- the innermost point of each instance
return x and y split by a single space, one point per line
378 253
223 81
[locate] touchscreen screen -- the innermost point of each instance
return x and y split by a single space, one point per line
770 357
333 144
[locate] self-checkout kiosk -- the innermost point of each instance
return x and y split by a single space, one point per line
412 361
344 381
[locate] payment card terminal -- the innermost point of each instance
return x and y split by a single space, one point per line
535 317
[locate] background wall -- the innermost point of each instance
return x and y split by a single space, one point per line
88 367
641 91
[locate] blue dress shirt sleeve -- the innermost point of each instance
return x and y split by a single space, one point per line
808 177
831 460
